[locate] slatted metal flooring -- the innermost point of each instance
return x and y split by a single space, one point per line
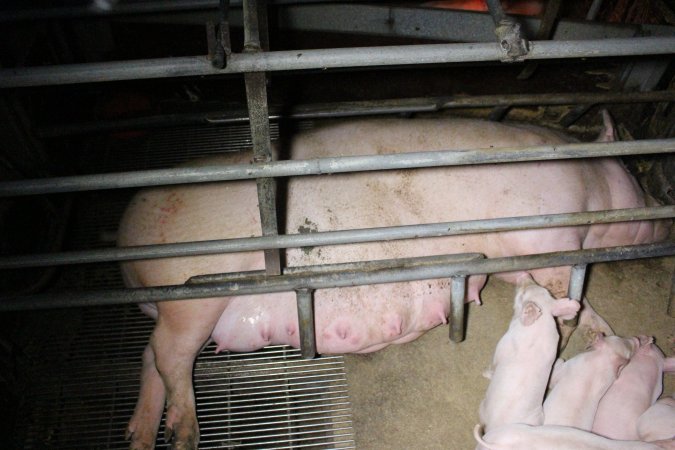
265 399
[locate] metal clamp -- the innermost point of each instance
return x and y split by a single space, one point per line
513 44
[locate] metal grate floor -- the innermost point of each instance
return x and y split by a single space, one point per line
266 399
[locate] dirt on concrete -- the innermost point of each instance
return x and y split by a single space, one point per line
425 394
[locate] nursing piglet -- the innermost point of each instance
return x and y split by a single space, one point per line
519 436
658 422
637 388
580 383
524 357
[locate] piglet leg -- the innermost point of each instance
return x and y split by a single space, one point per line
183 327
142 428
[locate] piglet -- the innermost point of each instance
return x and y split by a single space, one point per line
524 357
637 388
658 422
519 436
580 383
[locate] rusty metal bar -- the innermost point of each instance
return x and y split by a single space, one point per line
256 96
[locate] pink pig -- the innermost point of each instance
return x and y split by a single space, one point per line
580 383
519 436
524 357
636 389
658 422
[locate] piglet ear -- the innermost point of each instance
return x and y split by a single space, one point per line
530 313
565 308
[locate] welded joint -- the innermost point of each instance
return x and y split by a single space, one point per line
458 294
513 44
305 305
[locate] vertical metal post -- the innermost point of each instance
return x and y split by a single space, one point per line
575 289
457 309
671 302
256 97
305 303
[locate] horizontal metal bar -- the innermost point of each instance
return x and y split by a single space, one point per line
280 283
112 8
396 55
358 108
335 237
320 166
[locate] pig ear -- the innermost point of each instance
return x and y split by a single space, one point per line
595 339
530 313
565 308
608 132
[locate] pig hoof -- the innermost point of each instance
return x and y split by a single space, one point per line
139 440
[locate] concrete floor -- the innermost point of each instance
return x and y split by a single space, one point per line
425 394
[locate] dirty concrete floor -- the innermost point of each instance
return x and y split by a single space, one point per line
425 394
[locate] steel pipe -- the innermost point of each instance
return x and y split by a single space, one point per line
396 55
360 108
575 290
281 283
321 166
305 306
457 309
335 237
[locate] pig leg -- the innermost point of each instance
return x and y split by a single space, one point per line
183 327
142 428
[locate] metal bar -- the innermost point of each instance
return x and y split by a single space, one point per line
285 283
326 59
256 97
577 278
125 8
335 237
457 309
322 166
359 108
576 289
671 301
305 304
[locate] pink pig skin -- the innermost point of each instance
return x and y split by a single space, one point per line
658 422
555 437
580 383
363 318
524 357
636 389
